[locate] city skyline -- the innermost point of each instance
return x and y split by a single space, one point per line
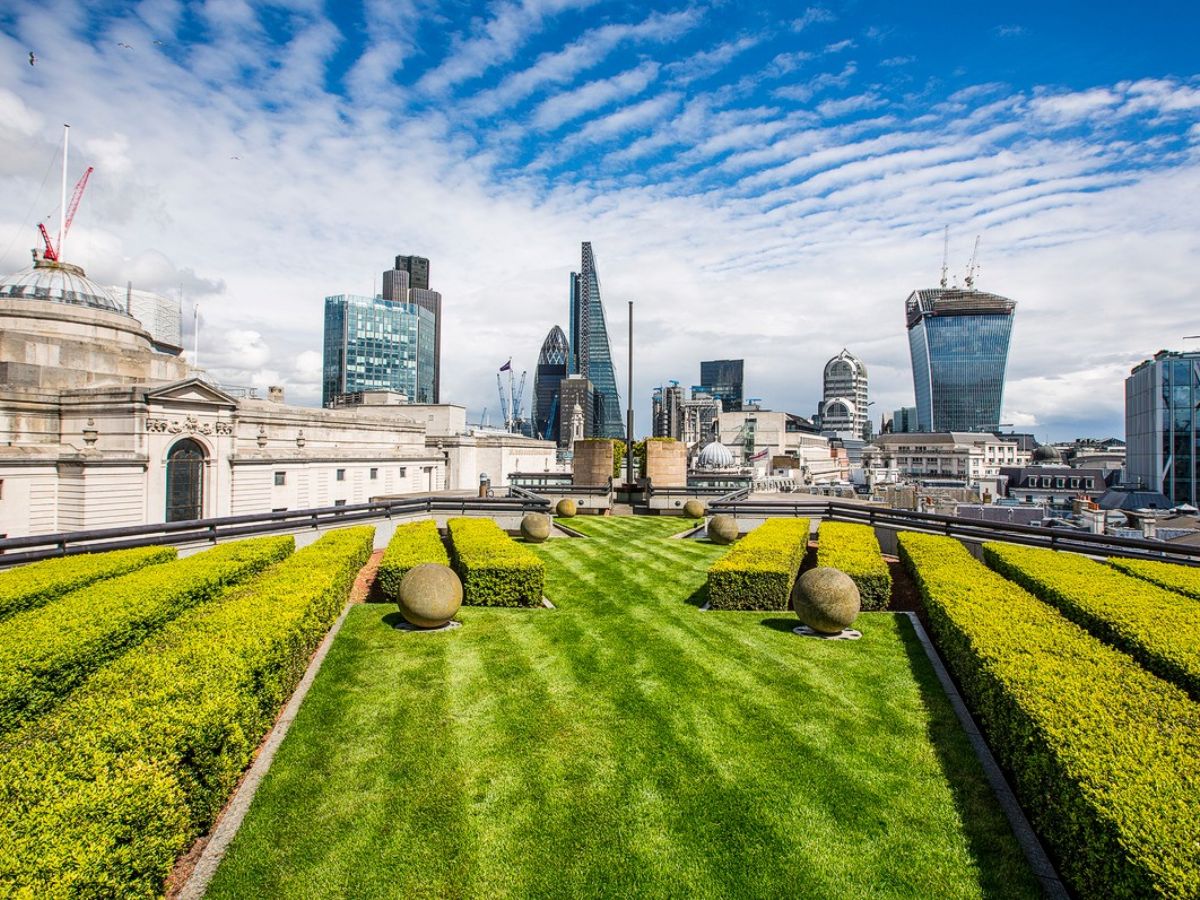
763 185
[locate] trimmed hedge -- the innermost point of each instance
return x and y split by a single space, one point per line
36 584
495 570
412 545
1106 756
1172 576
45 653
759 570
99 797
1159 628
855 550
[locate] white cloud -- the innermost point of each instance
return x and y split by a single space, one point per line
818 83
812 16
564 107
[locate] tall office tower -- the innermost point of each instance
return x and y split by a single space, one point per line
408 282
1161 421
667 411
959 345
574 392
374 344
591 353
844 404
551 369
722 378
699 416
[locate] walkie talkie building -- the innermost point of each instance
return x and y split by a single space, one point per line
959 345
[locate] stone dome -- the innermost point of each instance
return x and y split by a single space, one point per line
715 456
1046 454
57 282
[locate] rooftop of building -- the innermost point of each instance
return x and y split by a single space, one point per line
955 302
58 282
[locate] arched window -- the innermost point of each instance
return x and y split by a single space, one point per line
185 481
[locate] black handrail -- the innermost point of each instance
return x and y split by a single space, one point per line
67 543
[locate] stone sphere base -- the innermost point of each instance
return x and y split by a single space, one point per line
409 626
846 634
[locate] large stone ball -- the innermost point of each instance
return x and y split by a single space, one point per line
566 508
826 600
430 594
535 527
723 529
693 509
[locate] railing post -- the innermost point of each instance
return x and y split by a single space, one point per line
212 534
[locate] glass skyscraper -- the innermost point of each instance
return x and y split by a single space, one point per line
373 344
590 351
408 282
959 345
551 370
723 379
1162 396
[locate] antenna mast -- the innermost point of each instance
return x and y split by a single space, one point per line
945 253
970 279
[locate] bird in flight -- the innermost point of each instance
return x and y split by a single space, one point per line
159 43
235 157
125 45
32 58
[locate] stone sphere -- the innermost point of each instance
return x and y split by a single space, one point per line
430 594
693 509
723 529
826 600
535 527
565 508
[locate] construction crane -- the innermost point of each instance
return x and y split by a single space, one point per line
504 408
518 400
52 252
969 281
945 253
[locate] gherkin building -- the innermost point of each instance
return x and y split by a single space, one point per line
551 369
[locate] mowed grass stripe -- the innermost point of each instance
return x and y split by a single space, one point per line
624 744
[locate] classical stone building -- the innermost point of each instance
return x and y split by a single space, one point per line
100 426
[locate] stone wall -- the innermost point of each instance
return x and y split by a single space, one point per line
593 465
666 463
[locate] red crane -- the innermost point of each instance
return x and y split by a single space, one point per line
51 252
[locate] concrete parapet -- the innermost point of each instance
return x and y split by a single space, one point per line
666 463
593 463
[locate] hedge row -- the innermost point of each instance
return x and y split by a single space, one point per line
759 570
1172 576
100 796
855 550
45 653
1157 627
1105 755
411 545
495 570
34 585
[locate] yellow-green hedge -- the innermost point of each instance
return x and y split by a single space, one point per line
34 585
46 652
1106 756
1157 627
759 570
495 570
101 795
1172 576
855 550
412 545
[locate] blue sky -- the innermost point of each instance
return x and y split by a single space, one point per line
763 181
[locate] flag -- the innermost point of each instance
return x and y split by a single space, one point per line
760 454
506 366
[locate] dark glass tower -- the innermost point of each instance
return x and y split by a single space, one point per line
551 369
590 351
959 345
723 379
408 282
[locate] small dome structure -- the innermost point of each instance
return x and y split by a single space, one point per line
57 282
1045 454
715 456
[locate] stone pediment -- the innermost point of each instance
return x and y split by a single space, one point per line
191 391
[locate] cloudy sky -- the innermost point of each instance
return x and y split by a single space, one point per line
764 182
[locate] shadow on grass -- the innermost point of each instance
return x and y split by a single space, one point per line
777 624
1001 873
699 596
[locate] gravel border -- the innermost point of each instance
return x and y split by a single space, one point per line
231 819
1031 845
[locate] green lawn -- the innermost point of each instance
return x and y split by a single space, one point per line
624 744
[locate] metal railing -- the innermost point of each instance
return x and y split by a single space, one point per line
44 546
966 529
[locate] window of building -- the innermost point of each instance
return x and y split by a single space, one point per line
403 471
341 475
339 502
279 509
374 474
280 479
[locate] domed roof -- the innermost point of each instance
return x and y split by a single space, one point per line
715 456
1046 454
57 282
